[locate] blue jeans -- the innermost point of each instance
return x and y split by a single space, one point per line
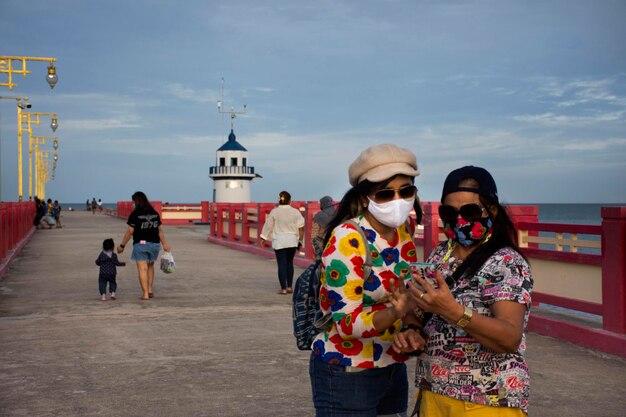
284 259
102 283
368 393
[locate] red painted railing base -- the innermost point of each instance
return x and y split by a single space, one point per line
5 263
598 339
266 252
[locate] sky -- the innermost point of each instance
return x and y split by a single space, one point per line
533 91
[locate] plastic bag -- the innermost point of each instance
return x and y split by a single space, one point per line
167 262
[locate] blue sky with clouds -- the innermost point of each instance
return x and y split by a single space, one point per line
534 91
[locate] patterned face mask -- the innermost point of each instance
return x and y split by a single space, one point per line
468 233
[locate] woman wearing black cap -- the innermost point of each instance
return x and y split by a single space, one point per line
475 317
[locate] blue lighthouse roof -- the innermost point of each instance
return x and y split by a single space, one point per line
232 144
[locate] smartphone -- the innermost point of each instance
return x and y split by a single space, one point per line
426 270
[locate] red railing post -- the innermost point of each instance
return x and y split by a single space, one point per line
529 214
431 226
158 206
231 222
13 207
213 219
312 208
205 211
3 231
246 222
222 212
614 269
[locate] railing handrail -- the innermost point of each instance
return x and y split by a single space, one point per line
583 229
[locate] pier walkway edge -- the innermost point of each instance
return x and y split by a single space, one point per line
215 341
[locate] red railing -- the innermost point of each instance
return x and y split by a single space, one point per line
238 225
16 228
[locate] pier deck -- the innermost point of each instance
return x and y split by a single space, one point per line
215 341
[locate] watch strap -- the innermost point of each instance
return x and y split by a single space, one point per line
465 318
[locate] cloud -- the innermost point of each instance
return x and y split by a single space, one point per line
182 92
553 119
125 122
612 144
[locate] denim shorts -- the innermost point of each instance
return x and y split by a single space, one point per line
148 251
368 393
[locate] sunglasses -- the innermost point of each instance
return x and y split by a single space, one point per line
388 194
470 212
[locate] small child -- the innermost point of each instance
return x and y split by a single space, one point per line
107 261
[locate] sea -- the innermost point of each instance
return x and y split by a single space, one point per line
572 213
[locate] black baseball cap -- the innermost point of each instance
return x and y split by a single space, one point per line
486 185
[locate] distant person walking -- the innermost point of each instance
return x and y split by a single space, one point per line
144 225
100 205
285 226
107 261
57 213
94 205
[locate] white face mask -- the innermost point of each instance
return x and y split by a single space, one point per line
392 213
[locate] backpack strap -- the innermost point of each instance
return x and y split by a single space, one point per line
367 266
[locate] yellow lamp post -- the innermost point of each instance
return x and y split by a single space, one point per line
17 65
43 169
27 120
22 103
41 140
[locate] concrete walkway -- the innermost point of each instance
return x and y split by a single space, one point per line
215 341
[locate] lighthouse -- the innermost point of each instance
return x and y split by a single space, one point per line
231 174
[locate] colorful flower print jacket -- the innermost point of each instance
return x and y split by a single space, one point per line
351 339
455 364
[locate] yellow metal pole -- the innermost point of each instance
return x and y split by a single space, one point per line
37 193
29 121
6 67
39 184
19 153
30 161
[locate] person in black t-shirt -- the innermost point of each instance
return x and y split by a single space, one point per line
144 225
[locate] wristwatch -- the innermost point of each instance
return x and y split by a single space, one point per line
465 318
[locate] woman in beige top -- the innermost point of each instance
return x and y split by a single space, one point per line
285 226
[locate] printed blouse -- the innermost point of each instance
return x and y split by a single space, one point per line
352 339
455 364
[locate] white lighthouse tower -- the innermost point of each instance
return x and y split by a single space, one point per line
231 174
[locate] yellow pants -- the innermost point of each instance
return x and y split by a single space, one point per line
435 405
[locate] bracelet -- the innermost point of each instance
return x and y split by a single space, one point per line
411 326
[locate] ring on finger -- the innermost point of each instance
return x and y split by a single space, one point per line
422 295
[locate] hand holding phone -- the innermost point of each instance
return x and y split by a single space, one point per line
426 270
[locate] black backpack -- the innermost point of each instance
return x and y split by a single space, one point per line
307 316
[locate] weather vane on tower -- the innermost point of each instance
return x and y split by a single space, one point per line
232 111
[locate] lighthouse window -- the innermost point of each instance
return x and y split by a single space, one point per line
234 184
222 162
233 162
